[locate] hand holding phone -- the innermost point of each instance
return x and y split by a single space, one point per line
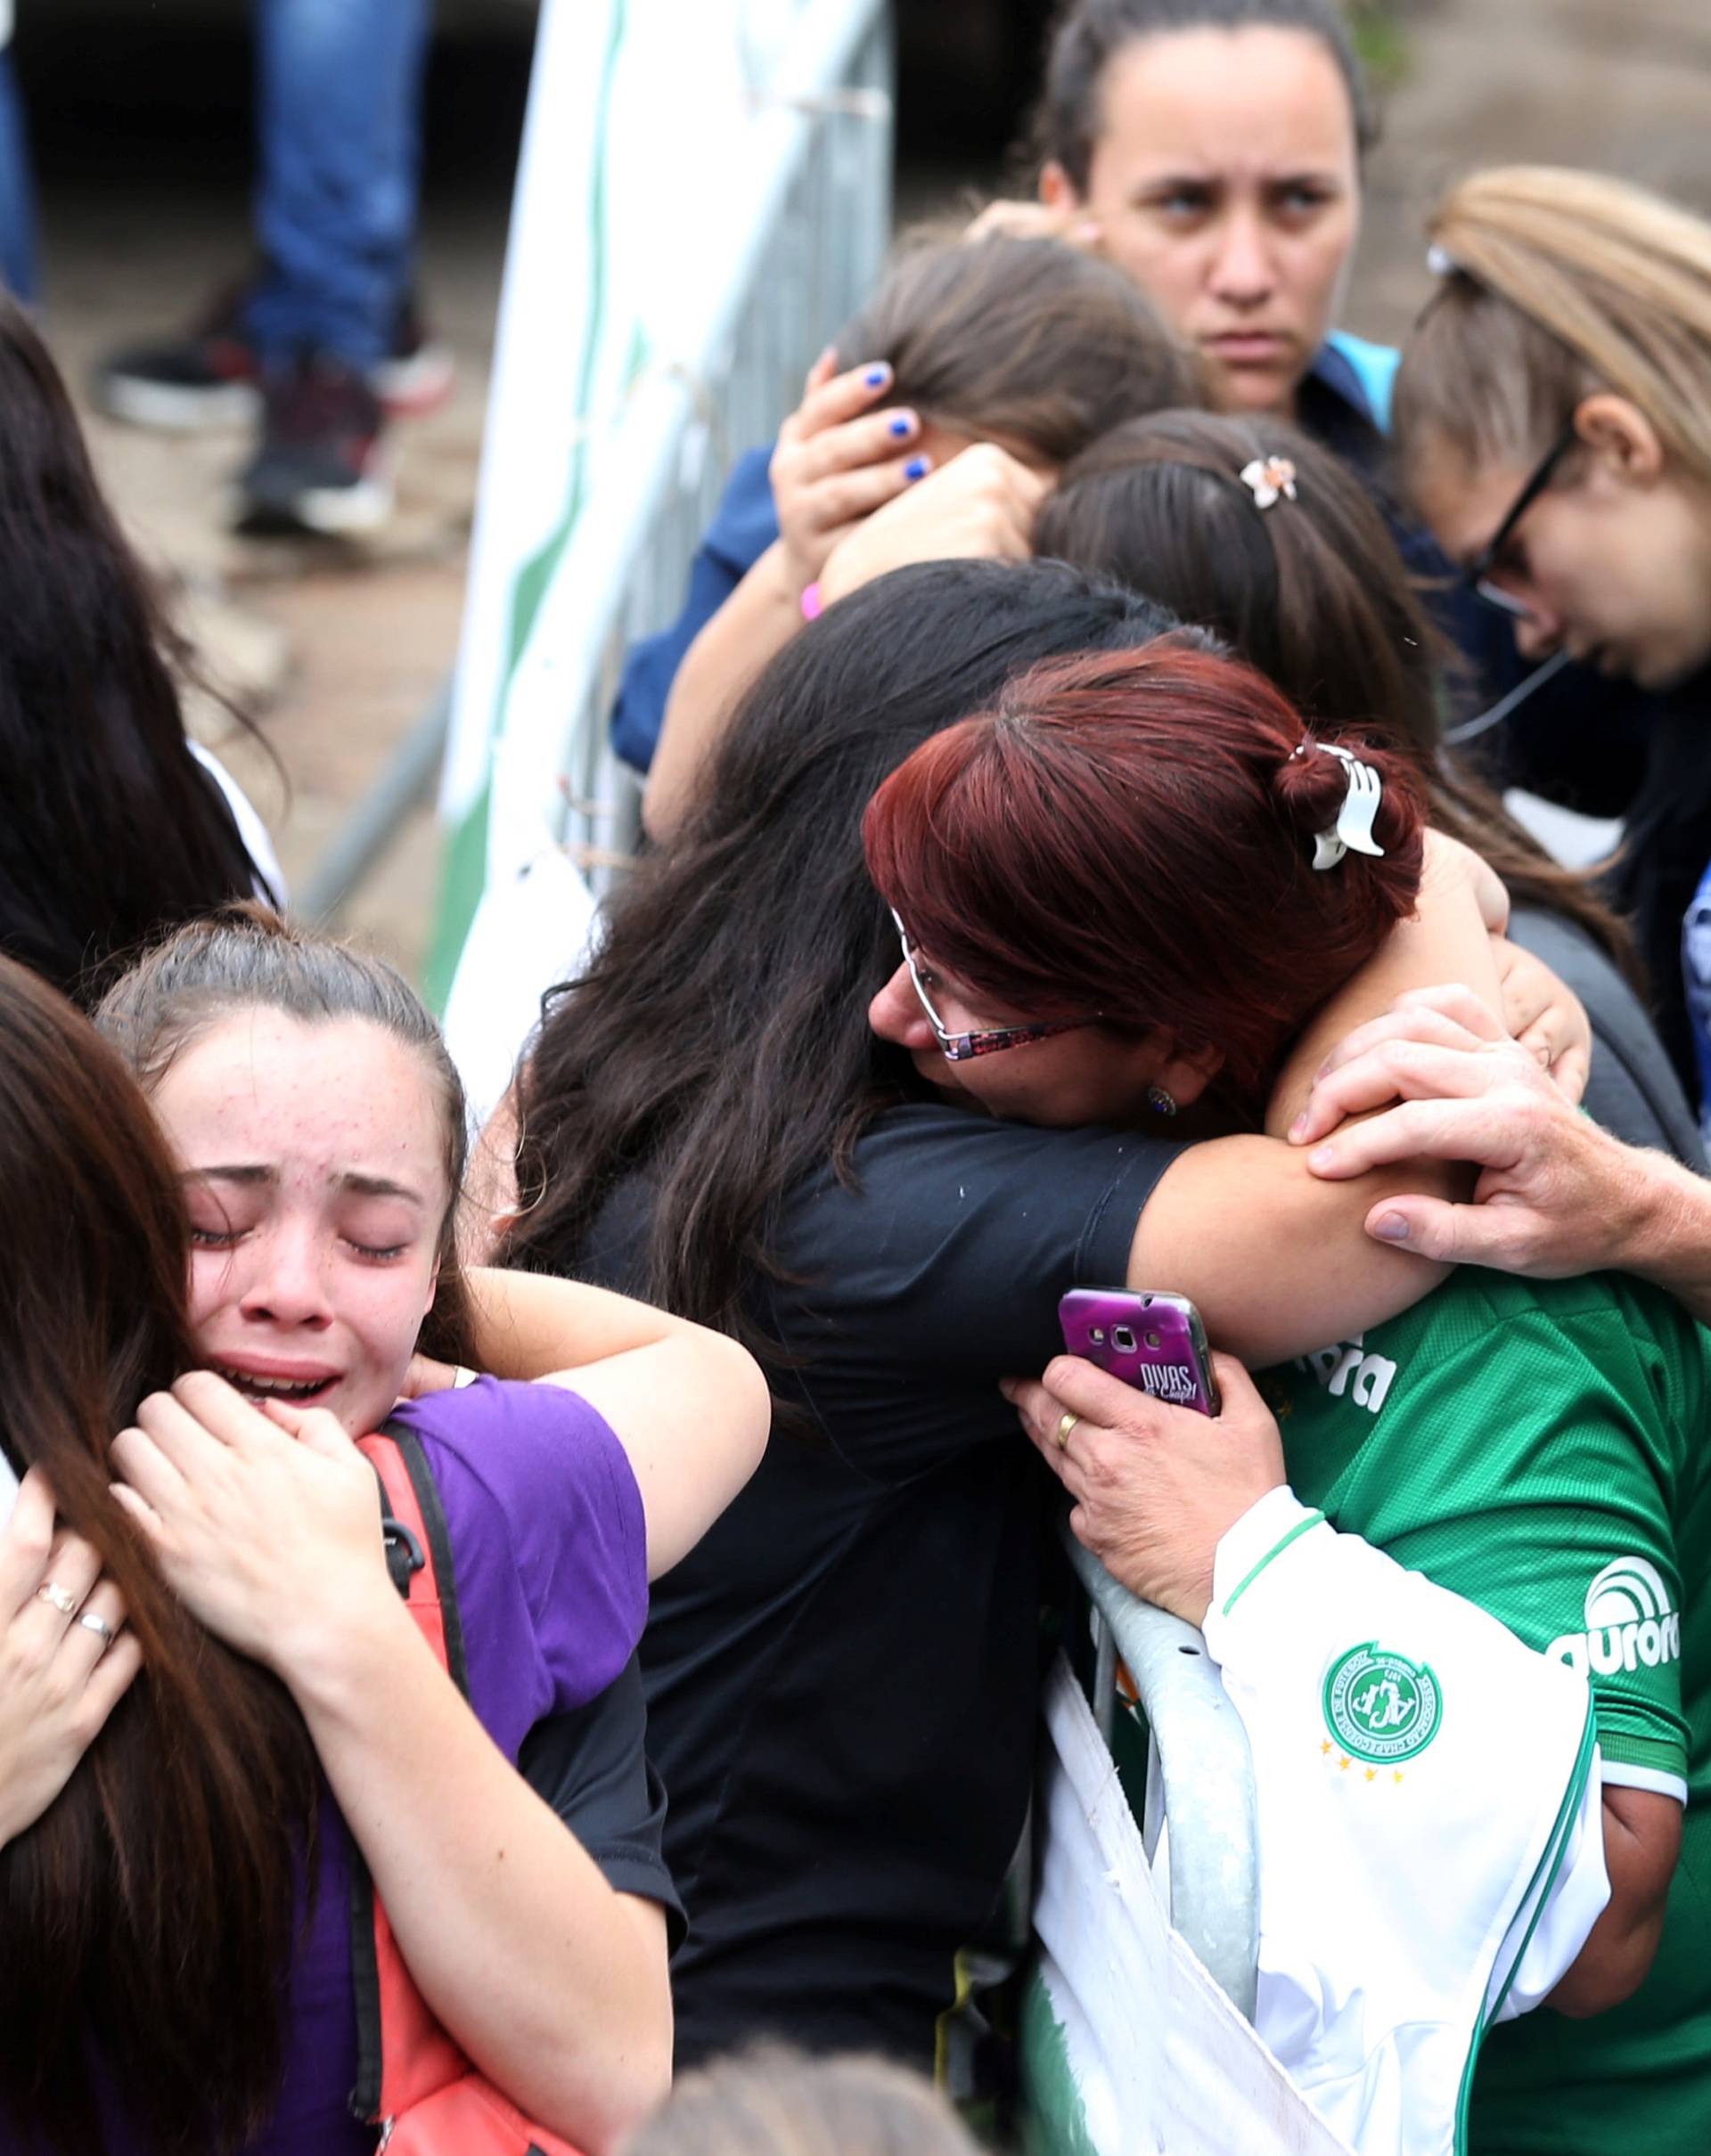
1152 1341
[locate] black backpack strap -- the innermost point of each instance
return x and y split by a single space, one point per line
438 1553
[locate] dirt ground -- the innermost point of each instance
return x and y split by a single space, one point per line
338 651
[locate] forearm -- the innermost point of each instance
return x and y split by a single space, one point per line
757 620
546 1976
1662 1215
531 1326
1239 1226
1641 1843
692 1414
690 1407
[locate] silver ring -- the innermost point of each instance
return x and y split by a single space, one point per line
62 1599
99 1626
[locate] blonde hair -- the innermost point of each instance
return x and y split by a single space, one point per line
771 2102
1558 284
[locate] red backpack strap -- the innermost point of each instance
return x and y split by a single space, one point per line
402 2051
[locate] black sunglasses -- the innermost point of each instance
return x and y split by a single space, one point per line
1479 575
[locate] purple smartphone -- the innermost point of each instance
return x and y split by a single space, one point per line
1154 1342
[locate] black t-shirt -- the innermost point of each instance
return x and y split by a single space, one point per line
591 1766
842 1677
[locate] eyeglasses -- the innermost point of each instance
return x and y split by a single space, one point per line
1480 574
962 1048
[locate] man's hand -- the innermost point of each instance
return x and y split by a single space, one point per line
1556 1194
1155 1488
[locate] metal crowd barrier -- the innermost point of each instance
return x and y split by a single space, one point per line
1200 1779
814 246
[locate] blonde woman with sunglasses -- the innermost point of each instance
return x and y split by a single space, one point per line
1553 417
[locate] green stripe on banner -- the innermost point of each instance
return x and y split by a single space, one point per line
462 878
463 866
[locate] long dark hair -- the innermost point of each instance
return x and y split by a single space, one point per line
1087 34
247 957
1313 592
719 1047
109 830
149 1911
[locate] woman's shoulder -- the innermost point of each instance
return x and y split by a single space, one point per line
536 1489
1502 1328
544 1521
1373 369
931 1163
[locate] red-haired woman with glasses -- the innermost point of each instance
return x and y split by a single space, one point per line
1142 870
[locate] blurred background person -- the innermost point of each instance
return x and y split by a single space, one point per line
17 189
113 825
322 338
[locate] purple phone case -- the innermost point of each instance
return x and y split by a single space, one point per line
1153 1342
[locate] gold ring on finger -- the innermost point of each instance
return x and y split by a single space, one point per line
1066 1423
62 1597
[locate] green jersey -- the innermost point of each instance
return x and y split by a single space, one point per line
1544 1448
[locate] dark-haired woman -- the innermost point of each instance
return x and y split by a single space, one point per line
1534 1447
176 1881
842 1678
113 826
1302 579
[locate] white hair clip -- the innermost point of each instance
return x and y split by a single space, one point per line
1352 833
1440 261
1269 477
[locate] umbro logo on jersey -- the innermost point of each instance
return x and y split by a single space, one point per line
1629 1623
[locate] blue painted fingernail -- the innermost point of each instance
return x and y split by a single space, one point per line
917 467
900 425
877 377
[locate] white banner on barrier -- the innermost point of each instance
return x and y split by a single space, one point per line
1130 2045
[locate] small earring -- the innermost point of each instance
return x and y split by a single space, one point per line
1161 1102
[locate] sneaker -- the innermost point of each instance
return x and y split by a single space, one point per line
320 467
416 374
211 376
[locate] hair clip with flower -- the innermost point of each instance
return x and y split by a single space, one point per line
1268 478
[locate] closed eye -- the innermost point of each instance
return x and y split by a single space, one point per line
215 1238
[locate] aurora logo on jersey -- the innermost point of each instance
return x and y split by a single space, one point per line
1380 1706
1629 1623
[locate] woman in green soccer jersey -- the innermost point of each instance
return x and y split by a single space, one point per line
1152 833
